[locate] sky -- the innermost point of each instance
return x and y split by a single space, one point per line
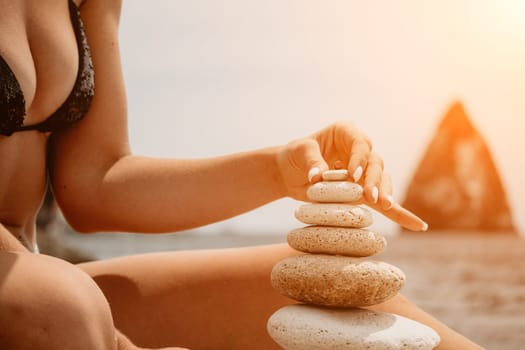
207 78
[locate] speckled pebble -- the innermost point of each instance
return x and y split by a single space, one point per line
334 192
336 240
304 327
342 215
336 280
335 175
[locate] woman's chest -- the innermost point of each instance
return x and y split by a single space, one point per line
38 44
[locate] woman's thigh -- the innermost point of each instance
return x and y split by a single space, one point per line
212 299
206 299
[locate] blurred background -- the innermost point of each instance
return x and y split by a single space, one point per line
438 86
207 78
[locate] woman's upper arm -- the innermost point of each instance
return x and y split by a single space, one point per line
80 155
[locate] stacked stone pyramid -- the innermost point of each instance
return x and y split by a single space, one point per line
333 282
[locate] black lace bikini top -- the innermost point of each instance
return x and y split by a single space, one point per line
12 101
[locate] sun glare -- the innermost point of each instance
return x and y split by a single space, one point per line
513 12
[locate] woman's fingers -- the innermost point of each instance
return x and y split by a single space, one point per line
343 144
308 156
359 157
385 192
373 178
403 217
353 145
385 203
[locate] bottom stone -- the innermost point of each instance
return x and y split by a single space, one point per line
305 327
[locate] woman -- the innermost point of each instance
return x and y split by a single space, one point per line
55 124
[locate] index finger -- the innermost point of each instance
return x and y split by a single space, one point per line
403 217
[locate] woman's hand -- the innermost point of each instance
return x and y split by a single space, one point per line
343 146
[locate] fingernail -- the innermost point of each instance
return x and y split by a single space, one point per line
424 227
357 173
390 201
375 194
313 172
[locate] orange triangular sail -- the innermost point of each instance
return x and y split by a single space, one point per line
456 185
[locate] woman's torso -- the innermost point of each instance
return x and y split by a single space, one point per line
38 43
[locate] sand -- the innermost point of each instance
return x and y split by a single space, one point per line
473 283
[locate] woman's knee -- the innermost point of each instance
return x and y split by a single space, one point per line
47 303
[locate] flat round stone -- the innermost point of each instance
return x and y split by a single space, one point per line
338 281
305 327
343 215
336 240
335 175
334 192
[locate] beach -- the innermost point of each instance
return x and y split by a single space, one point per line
474 283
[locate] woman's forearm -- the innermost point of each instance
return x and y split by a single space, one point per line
140 194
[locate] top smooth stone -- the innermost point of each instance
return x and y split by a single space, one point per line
334 192
335 175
